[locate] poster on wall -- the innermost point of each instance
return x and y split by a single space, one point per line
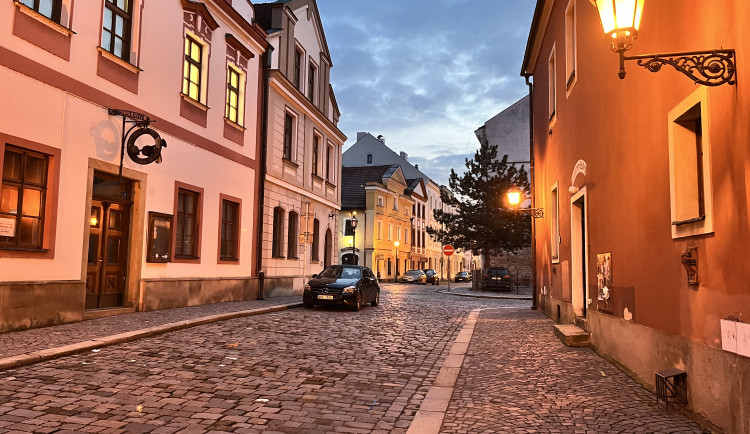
604 280
7 227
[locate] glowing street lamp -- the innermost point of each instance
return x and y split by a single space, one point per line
621 20
354 238
515 196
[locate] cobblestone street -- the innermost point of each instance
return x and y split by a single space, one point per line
331 370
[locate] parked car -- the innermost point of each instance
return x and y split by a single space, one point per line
463 276
432 276
351 285
497 278
414 276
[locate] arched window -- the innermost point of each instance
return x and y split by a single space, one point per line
277 248
315 255
291 249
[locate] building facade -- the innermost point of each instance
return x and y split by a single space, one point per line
302 193
644 186
86 230
380 197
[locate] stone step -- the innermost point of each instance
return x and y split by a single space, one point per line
572 335
583 323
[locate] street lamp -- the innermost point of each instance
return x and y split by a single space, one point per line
514 198
621 20
354 237
396 243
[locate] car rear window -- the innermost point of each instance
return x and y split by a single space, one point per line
498 272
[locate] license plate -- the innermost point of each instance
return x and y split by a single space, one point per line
325 297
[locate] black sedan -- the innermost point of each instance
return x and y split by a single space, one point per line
350 285
463 276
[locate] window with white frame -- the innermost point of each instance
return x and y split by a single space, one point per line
570 45
552 80
194 76
554 219
380 200
691 199
235 95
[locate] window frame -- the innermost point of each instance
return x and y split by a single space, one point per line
554 211
571 46
189 62
289 130
315 154
197 225
56 12
234 256
297 71
292 235
312 73
277 240
552 85
127 16
239 90
315 246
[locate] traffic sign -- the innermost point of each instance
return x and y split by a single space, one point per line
447 250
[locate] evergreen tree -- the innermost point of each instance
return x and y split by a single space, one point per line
483 221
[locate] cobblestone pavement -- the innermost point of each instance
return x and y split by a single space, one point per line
312 371
27 341
518 377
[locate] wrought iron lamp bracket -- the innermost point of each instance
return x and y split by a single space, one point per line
140 125
709 68
537 213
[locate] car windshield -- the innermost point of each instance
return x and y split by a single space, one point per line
341 272
413 273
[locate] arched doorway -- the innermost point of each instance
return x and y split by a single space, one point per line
328 249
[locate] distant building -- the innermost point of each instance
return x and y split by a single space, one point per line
302 194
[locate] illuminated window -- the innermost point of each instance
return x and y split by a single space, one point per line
234 107
22 198
117 27
193 69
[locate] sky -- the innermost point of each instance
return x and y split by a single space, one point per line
425 74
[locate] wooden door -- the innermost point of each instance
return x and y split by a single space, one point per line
106 276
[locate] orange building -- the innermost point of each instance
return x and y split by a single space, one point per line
644 183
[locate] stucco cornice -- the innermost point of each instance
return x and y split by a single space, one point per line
536 35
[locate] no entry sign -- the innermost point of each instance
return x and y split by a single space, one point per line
448 250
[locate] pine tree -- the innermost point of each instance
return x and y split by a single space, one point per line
483 221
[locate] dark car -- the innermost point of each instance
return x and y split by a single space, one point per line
463 276
350 285
432 276
414 276
497 278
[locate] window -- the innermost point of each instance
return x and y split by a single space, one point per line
369 158
291 241
689 169
315 254
277 246
412 236
328 163
288 130
555 222
398 233
570 45
552 90
49 8
193 69
395 204
297 68
230 223
390 231
380 200
311 82
390 267
380 230
22 199
187 230
234 108
117 27
316 145
348 229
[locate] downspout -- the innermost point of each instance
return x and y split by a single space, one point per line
262 183
534 289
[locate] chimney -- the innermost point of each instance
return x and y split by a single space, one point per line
382 139
416 166
404 155
360 135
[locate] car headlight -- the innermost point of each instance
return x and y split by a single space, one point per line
307 286
349 290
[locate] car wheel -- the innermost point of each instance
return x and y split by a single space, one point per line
357 302
307 302
376 301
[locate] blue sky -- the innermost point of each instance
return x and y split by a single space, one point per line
426 74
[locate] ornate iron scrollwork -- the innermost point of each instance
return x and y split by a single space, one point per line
146 154
709 68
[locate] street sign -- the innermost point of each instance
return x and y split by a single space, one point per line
448 250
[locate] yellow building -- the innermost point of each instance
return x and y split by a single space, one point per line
379 198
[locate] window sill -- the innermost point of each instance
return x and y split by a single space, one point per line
295 258
234 125
190 100
44 20
233 260
290 163
689 221
277 257
317 177
187 258
22 249
122 62
330 184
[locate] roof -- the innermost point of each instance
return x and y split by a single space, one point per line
538 25
353 180
373 145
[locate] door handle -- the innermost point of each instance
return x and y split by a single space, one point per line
100 259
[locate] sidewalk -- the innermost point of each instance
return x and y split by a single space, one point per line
31 346
522 293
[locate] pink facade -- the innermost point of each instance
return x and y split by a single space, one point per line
637 178
78 240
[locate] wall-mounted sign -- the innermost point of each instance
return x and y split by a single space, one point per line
7 227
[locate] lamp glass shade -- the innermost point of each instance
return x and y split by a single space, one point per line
354 222
620 15
514 197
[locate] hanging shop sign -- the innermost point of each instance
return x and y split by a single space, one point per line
146 153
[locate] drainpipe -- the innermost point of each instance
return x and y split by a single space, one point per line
534 289
262 184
